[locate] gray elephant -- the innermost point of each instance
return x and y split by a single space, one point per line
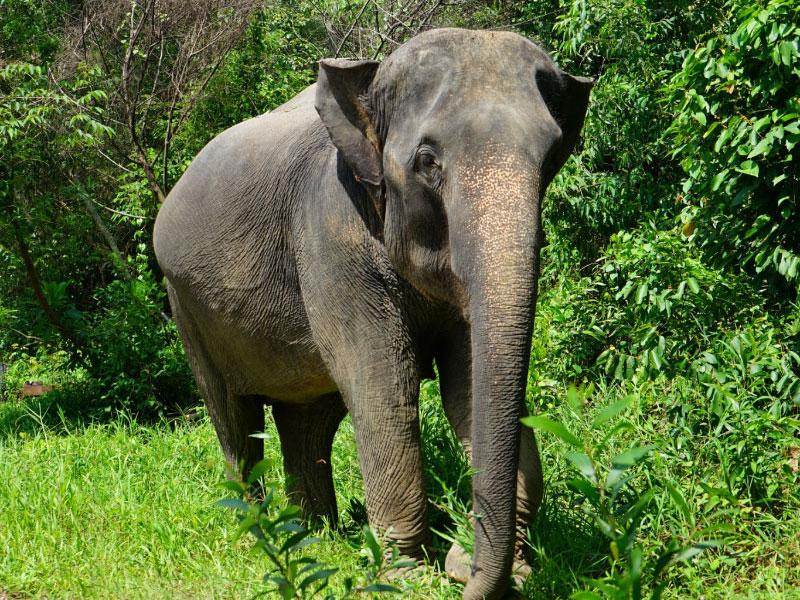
319 258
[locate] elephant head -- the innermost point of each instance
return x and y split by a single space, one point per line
455 137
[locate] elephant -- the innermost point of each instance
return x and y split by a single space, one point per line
322 257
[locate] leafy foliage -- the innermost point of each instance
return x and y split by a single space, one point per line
736 135
650 307
608 495
281 536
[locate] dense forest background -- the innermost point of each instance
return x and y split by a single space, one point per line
673 263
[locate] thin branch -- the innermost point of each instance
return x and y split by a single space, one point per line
112 161
352 26
25 335
330 30
123 213
156 78
38 292
112 243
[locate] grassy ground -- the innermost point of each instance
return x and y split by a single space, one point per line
124 510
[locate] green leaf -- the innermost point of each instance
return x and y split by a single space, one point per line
574 399
622 462
662 562
748 167
609 412
234 503
696 549
632 515
584 464
557 429
287 514
380 587
761 148
289 527
655 358
258 470
786 50
641 294
617 428
309 541
585 595
244 525
322 574
373 546
234 486
680 503
311 566
403 563
632 456
586 488
718 179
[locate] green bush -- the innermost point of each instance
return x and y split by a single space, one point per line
284 540
651 306
622 171
618 493
736 135
133 351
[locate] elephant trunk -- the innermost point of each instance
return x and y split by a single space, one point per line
501 333
502 254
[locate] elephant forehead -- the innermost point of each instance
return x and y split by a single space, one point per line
465 61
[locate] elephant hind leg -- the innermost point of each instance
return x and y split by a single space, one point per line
235 418
306 432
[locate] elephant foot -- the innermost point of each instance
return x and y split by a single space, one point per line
458 566
520 573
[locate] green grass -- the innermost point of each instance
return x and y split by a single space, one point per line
117 510
126 510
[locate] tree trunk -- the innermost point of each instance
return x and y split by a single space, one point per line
36 285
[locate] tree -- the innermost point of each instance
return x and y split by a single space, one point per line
736 134
156 58
40 128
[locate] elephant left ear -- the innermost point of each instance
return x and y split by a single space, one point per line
567 99
341 85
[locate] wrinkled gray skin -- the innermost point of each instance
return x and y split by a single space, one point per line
320 257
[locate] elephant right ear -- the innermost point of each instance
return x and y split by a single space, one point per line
567 99
340 86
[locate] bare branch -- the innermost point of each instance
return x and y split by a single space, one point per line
160 56
352 26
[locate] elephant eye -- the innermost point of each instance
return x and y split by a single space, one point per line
426 162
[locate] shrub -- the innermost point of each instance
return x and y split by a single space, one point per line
736 135
651 306
281 536
133 351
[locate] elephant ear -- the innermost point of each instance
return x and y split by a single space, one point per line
567 99
341 85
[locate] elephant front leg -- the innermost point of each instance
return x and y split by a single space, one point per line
455 376
386 425
359 325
